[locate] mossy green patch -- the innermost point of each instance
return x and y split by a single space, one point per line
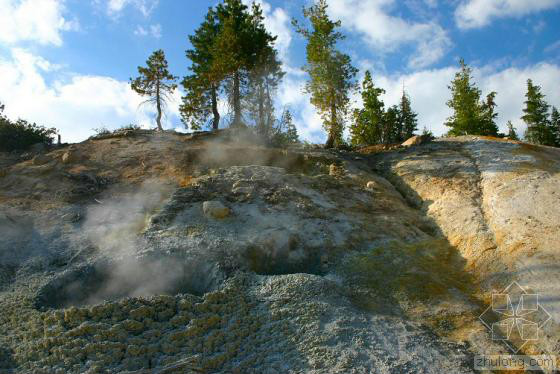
403 272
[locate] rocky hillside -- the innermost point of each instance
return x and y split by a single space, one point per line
169 253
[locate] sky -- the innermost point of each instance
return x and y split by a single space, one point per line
67 63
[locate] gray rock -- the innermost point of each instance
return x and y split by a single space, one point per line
71 156
41 159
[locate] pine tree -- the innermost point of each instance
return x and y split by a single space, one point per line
536 116
367 127
512 134
262 85
264 76
239 47
427 133
156 82
555 126
488 113
289 127
286 132
470 116
391 126
330 71
464 102
202 86
408 119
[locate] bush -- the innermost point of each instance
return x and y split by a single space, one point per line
102 131
21 134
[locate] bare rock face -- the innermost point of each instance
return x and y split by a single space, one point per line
386 267
415 140
41 159
497 203
215 209
71 156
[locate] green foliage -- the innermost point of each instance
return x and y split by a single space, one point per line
373 125
263 83
232 51
470 116
202 86
242 45
539 128
427 133
392 125
285 133
487 122
408 122
555 125
155 82
20 134
331 75
101 131
367 127
512 134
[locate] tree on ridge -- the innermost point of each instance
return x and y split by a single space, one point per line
156 82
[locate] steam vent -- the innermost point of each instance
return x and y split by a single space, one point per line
159 252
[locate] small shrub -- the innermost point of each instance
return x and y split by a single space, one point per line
131 126
20 134
101 131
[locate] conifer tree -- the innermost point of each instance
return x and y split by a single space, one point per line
391 129
289 127
262 85
367 127
487 121
331 75
156 82
555 126
427 133
464 101
202 86
239 47
408 119
512 134
470 115
286 132
536 116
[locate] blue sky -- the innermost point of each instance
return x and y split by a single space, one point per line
67 63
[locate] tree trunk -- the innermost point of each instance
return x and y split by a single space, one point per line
236 101
216 113
330 141
332 128
261 111
158 107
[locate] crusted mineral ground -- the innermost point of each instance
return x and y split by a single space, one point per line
308 260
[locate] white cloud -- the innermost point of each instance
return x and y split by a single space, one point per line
75 106
429 92
40 21
115 7
306 119
386 33
152 30
478 13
